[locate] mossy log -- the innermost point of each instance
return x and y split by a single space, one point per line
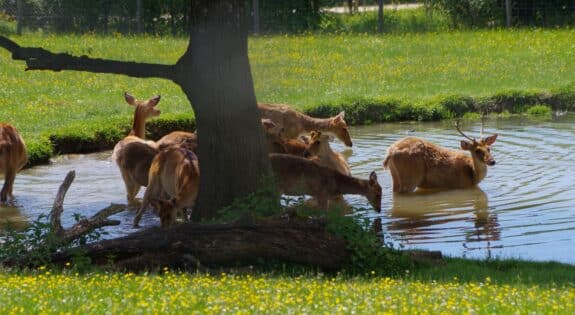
193 246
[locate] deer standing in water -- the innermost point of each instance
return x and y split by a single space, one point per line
299 176
13 157
173 184
417 163
133 154
296 123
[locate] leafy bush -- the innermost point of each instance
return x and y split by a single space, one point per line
539 110
472 13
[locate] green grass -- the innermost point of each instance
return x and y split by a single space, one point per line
377 78
171 293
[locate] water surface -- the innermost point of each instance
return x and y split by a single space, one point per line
523 209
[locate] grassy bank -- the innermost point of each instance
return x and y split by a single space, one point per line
43 292
393 77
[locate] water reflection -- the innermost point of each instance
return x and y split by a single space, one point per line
420 216
11 217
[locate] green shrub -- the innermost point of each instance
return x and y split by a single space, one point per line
539 110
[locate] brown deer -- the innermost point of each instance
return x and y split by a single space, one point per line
299 176
133 154
13 157
417 163
278 144
296 123
174 175
184 139
322 153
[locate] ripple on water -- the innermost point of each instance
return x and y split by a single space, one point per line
523 209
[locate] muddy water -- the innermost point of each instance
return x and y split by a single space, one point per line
525 208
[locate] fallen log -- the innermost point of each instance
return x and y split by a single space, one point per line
190 246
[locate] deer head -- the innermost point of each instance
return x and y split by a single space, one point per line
480 149
374 192
338 127
144 108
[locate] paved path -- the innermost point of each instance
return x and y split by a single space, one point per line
367 8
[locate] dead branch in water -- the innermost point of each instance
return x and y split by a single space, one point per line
83 226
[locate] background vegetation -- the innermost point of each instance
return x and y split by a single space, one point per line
397 77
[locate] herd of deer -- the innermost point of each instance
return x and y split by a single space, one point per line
300 155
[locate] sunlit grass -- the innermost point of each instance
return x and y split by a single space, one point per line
171 293
299 70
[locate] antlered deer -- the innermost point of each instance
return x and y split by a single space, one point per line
133 154
12 158
173 184
299 176
417 163
296 123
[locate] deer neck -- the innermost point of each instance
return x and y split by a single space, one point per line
479 170
139 125
351 185
310 123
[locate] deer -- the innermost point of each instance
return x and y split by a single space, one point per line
417 163
133 154
296 123
299 176
185 139
173 184
13 157
321 152
278 144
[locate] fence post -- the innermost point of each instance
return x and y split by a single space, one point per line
256 8
19 17
380 16
139 16
508 13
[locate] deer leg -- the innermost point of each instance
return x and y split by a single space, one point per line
9 177
132 188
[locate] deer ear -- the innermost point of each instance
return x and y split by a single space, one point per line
490 140
341 114
154 100
466 145
268 124
372 178
315 134
129 99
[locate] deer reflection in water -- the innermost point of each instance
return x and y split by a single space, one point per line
12 218
421 216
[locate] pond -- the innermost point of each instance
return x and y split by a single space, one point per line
524 208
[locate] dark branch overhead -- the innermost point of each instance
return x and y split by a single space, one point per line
42 59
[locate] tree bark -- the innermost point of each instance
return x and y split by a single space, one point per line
215 75
191 246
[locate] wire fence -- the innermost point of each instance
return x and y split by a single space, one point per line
265 16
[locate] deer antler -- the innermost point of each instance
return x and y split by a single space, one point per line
461 132
483 115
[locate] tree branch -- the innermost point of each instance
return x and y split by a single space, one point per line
83 226
41 59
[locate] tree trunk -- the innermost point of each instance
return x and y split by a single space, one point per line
215 75
380 16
